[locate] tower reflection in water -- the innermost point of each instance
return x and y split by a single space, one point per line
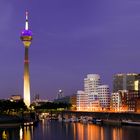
9 133
26 133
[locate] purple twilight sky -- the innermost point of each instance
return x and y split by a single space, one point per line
71 38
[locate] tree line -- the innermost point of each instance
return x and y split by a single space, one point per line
53 105
7 106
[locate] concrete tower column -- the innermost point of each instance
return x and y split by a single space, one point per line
26 79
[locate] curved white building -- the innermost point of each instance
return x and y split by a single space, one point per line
104 96
91 82
95 97
82 101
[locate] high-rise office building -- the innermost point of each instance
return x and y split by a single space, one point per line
129 81
26 38
116 102
124 100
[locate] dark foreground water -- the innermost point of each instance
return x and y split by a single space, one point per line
53 130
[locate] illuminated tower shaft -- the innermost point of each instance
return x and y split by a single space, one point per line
26 79
26 37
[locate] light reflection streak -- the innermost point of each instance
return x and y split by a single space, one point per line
74 131
27 133
5 135
80 131
43 124
66 129
102 133
32 131
117 134
21 133
95 132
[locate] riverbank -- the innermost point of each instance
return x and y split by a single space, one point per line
104 118
103 115
16 121
10 125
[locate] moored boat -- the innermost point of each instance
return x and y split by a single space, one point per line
130 122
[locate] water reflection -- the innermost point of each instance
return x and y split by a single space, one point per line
88 132
117 134
27 133
53 130
96 132
21 134
9 134
4 135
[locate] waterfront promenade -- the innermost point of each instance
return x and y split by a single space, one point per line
112 116
104 115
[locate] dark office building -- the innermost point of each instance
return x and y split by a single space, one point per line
129 81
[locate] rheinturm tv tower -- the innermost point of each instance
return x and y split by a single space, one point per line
26 37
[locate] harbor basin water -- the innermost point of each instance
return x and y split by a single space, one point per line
54 130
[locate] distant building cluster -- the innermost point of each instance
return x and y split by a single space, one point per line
37 101
66 99
15 98
126 92
60 94
97 97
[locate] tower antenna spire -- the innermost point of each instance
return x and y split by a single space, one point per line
26 23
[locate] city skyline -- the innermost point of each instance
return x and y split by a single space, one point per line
71 39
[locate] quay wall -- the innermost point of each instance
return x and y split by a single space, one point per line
104 115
